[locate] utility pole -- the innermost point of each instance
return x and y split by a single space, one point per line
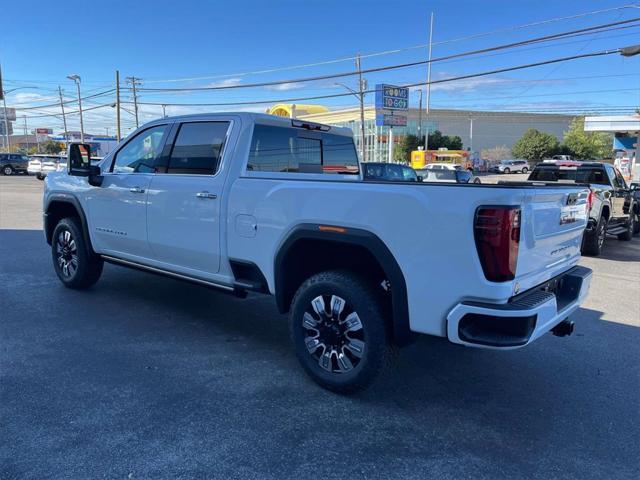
420 116
361 90
6 124
390 142
76 78
164 111
26 133
470 133
107 129
64 119
426 133
134 82
118 105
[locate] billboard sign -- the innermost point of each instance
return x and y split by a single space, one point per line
44 131
390 120
390 97
10 112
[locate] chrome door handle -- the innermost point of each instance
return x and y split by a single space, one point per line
136 190
206 195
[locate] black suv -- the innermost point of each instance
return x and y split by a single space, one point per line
11 163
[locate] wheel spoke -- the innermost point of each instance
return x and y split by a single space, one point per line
356 347
312 344
353 323
309 322
325 360
67 237
72 245
318 306
344 363
65 269
337 305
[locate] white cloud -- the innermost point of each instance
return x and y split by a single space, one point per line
227 82
282 87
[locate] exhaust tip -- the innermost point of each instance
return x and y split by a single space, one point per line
564 328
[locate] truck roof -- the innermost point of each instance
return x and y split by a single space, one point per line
255 117
568 164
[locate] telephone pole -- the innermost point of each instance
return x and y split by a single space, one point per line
361 89
76 78
26 133
134 82
64 118
118 105
426 133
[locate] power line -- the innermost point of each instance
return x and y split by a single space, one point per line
433 82
66 102
544 38
393 51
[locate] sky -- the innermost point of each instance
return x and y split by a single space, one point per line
187 44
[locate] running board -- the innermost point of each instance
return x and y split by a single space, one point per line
178 276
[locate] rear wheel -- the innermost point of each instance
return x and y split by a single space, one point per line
636 223
594 239
7 170
525 169
76 266
339 331
507 170
631 226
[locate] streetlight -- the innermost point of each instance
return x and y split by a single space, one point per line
7 140
76 78
360 97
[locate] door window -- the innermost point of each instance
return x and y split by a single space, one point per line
141 152
620 180
198 148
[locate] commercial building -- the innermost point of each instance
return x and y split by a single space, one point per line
626 140
477 129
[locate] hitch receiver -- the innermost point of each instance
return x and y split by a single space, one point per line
564 328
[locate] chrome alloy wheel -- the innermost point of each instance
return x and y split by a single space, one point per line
334 337
67 253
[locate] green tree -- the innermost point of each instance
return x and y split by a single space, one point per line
586 145
535 145
402 150
51 148
438 140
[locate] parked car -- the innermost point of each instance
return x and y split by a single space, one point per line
389 172
635 189
11 163
612 209
446 172
511 166
246 202
562 158
35 166
51 163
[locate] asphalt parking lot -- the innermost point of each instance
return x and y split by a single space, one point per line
147 377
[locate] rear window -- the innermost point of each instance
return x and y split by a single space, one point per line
281 149
578 175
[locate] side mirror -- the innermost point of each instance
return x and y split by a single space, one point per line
79 159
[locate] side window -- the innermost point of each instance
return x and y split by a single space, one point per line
140 153
621 183
612 176
281 149
197 148
409 174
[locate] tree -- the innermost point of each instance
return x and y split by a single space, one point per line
402 150
586 145
496 154
535 145
437 140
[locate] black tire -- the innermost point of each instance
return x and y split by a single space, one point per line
7 170
506 171
525 169
594 240
631 226
477 180
369 332
76 266
636 224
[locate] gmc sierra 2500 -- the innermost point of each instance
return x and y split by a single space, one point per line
248 202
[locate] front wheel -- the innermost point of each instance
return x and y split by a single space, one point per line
631 226
76 266
8 170
636 224
506 170
525 170
339 332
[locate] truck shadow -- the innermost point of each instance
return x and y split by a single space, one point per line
615 249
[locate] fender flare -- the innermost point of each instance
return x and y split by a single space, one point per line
351 236
75 203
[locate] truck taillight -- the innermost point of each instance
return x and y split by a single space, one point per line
590 201
497 235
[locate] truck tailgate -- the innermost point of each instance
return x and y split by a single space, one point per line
553 223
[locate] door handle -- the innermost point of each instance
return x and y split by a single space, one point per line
136 190
206 195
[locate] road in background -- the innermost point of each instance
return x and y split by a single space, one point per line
147 377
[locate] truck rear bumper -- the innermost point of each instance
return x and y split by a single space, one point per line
523 318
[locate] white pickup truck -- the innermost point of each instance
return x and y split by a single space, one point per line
255 203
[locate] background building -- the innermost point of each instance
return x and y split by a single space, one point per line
477 129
